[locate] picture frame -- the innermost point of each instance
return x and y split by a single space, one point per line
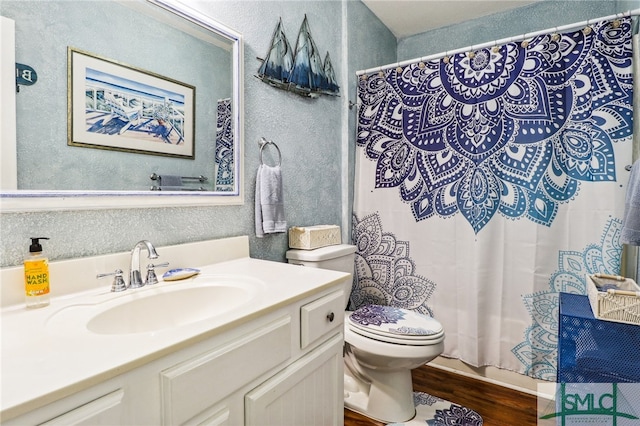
115 106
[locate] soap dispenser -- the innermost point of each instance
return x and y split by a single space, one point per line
36 275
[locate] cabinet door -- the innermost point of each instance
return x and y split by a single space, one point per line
308 392
216 416
199 383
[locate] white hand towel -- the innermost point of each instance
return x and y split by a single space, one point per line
631 223
269 206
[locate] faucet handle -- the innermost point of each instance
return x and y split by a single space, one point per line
118 282
152 278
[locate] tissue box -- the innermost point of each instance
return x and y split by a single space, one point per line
311 237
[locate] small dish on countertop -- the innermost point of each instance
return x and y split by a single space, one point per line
180 274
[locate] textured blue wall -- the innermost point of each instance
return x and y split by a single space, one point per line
369 44
307 131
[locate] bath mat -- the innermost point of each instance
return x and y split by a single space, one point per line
433 411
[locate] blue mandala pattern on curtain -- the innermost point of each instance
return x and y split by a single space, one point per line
539 351
510 130
385 274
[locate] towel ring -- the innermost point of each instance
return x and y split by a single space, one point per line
263 143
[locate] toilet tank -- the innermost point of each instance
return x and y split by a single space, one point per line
340 257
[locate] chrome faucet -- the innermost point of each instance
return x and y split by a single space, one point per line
135 278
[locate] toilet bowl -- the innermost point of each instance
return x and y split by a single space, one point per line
382 345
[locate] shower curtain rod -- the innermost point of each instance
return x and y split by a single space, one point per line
521 37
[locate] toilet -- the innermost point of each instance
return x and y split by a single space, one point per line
382 345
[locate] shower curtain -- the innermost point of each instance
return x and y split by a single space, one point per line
488 182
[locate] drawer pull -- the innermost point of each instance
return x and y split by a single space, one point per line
330 317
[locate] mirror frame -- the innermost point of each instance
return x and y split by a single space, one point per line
30 200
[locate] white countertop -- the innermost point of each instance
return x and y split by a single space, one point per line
42 363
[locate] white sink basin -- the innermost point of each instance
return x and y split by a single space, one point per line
157 308
169 309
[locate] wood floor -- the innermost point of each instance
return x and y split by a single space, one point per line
498 406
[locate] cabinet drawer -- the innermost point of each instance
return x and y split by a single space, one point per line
106 410
320 317
195 385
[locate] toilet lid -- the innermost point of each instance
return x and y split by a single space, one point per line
395 325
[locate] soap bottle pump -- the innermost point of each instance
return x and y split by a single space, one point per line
36 275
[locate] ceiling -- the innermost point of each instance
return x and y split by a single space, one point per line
409 17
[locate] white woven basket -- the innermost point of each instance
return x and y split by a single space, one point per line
621 305
311 237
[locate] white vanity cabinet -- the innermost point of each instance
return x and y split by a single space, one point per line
282 367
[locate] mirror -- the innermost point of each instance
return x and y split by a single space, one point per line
95 131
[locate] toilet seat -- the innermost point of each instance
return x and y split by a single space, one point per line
395 325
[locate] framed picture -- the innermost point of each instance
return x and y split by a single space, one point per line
119 107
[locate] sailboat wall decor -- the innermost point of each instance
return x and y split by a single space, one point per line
301 70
